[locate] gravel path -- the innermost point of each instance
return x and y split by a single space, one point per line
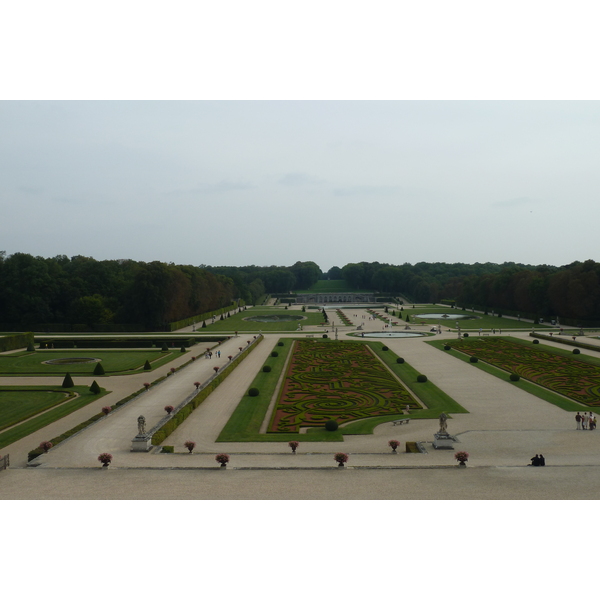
503 429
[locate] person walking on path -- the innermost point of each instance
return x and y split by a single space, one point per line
578 420
585 420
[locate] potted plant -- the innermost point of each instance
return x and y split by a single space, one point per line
147 386
293 446
393 445
341 458
105 458
169 409
45 446
223 459
216 369
172 369
462 457
190 445
197 384
106 409
230 357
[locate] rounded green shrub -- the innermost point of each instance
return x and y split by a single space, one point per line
536 341
400 361
274 354
473 359
421 378
253 391
514 377
324 336
465 335
266 369
280 343
331 425
576 351
446 347
384 348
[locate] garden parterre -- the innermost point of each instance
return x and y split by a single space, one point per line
576 379
341 381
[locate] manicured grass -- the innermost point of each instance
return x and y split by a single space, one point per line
18 404
482 321
114 362
523 384
26 428
237 323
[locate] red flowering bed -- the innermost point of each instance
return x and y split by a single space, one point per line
335 380
571 377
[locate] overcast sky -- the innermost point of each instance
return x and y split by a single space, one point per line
273 182
322 148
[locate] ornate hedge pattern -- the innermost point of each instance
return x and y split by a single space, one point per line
571 377
335 380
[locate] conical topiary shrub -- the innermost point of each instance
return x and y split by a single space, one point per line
68 381
30 347
99 370
147 366
95 388
164 348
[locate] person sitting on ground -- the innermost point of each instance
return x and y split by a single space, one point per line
542 461
535 461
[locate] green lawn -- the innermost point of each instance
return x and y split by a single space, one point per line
485 322
31 401
114 362
237 322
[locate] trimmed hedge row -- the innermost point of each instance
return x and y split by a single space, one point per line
176 419
14 342
207 315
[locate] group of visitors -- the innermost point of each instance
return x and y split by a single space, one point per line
209 354
585 421
538 461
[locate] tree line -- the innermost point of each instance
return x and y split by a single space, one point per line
80 290
570 292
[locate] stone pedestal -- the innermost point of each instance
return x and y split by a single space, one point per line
141 443
443 440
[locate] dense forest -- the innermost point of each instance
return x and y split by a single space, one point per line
571 292
81 290
36 291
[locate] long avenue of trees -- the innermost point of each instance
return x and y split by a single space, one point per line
80 290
